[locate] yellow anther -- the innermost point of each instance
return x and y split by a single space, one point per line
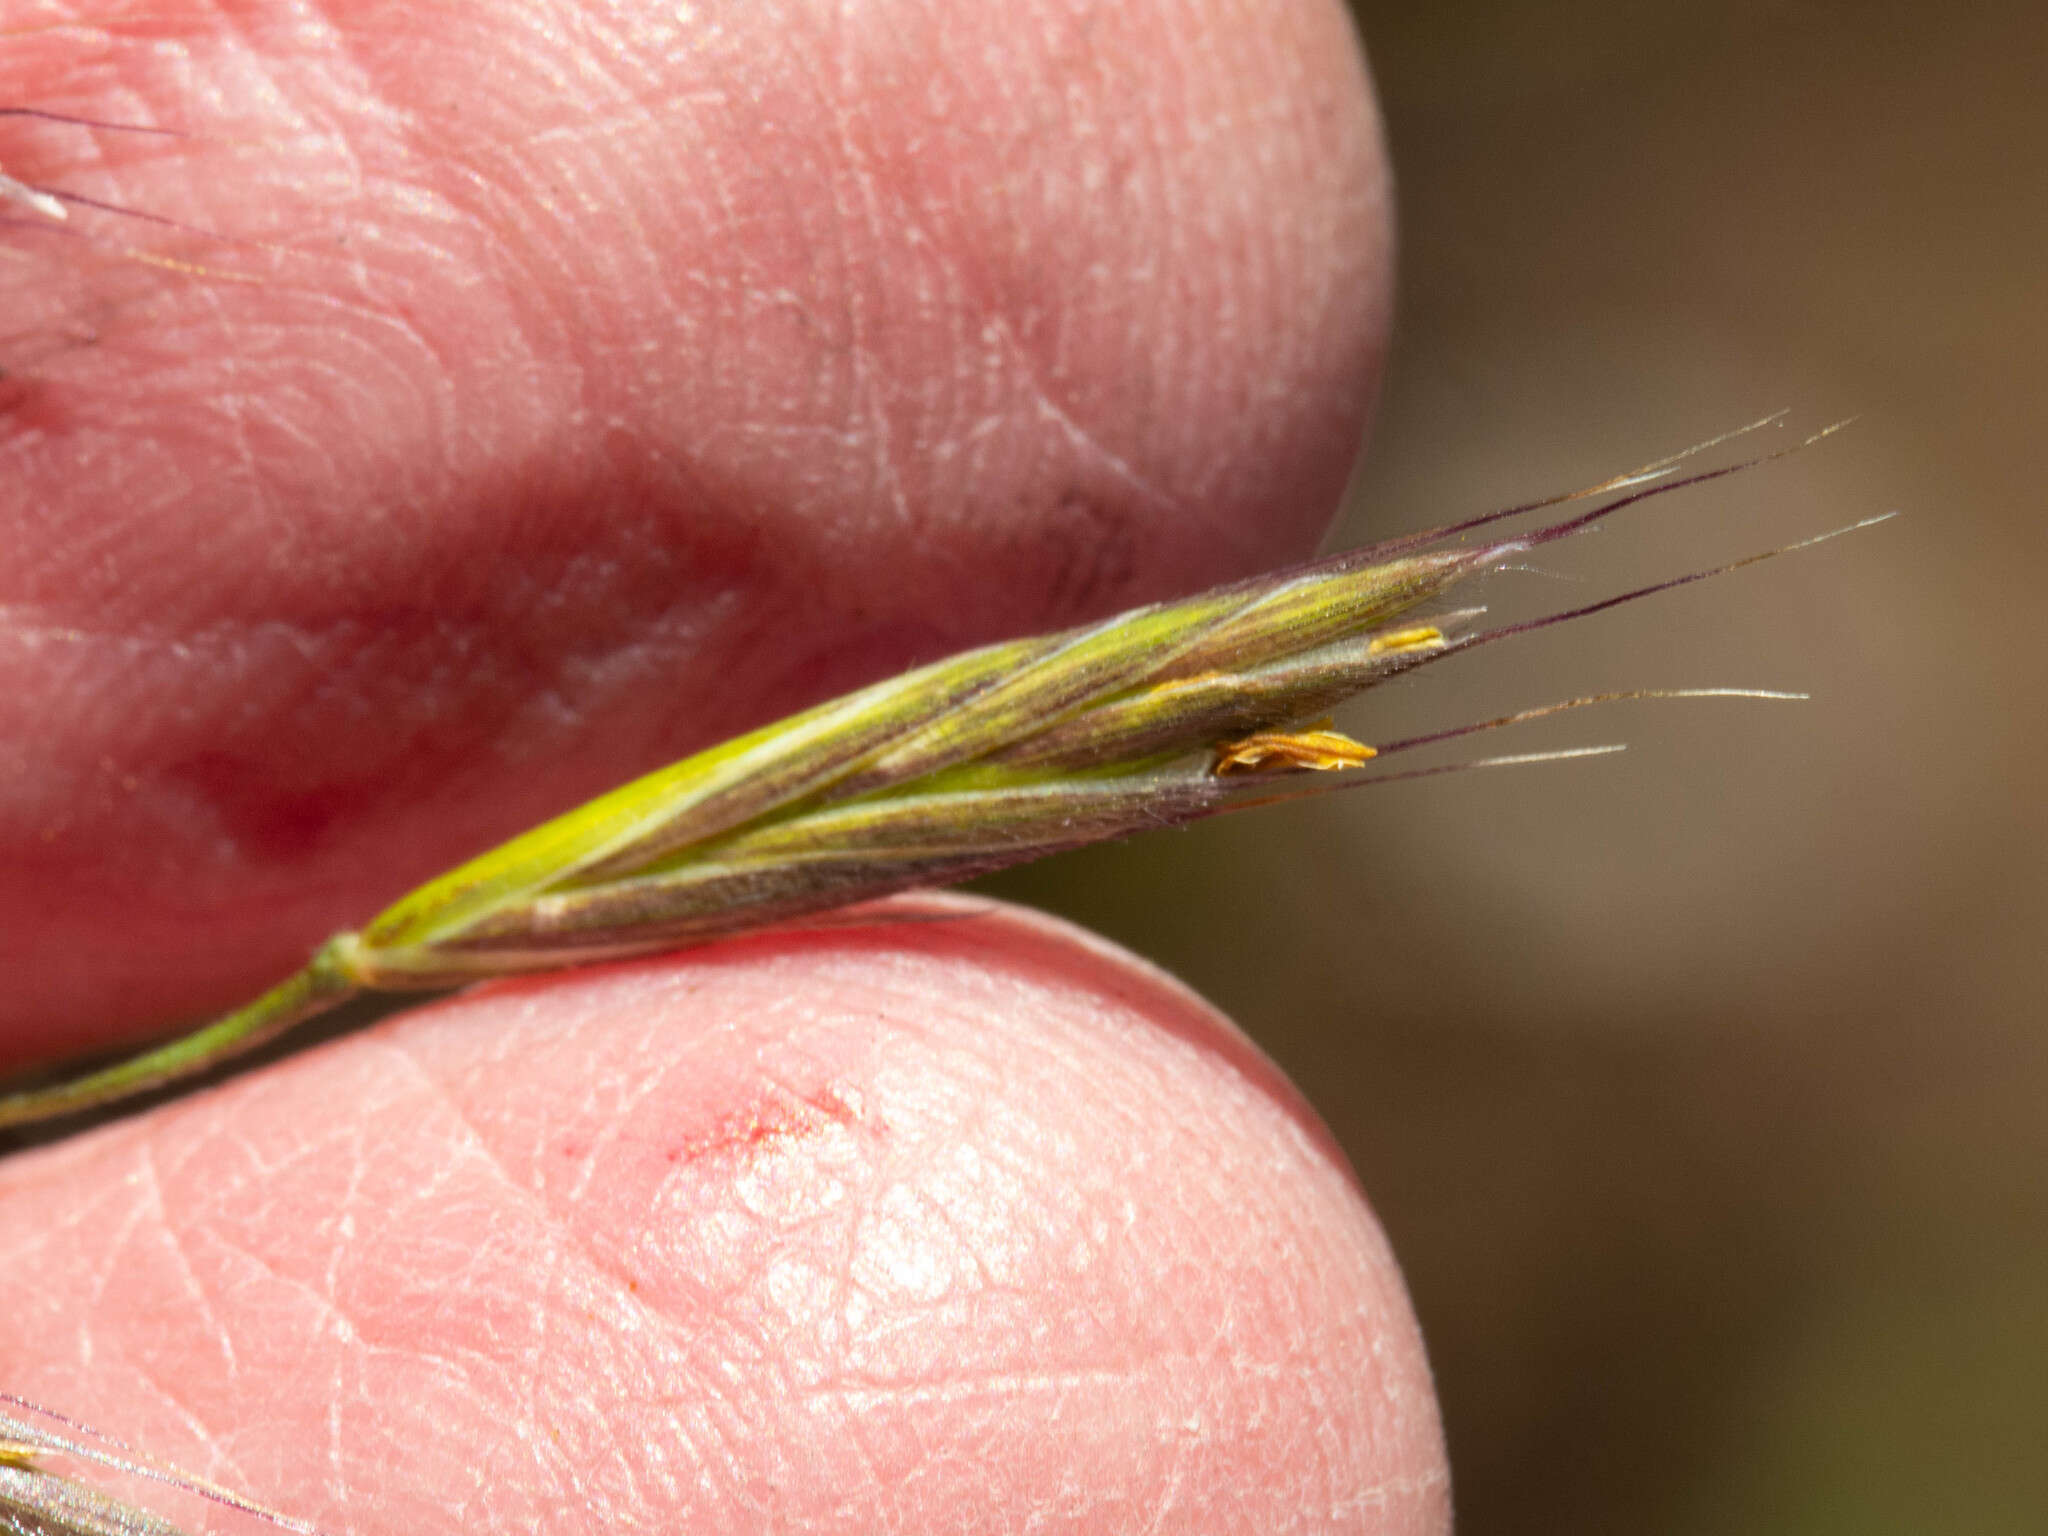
1317 749
1422 637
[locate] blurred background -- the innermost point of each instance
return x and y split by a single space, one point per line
1703 1090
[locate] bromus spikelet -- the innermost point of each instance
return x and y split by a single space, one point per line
53 203
1156 717
39 1497
46 210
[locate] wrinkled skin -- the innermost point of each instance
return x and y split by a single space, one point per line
617 378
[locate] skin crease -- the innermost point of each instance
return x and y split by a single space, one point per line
616 378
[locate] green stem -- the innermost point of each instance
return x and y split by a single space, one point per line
325 983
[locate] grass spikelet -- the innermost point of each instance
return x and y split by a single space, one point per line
38 1500
49 202
1157 717
52 206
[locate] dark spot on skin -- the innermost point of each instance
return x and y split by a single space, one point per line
268 823
777 1122
30 404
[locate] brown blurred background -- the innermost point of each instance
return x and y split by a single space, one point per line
1704 1090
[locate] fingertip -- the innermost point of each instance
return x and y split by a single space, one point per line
752 369
908 1225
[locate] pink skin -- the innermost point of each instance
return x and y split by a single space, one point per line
614 382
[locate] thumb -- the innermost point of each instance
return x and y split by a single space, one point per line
965 1224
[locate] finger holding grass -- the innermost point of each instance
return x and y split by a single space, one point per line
570 432
585 447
